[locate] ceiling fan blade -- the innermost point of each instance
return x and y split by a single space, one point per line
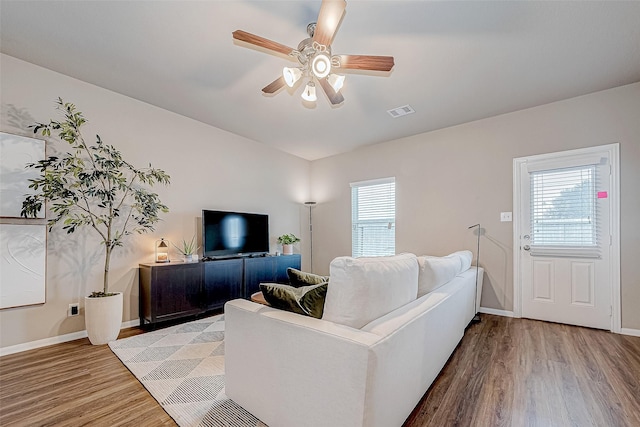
366 62
274 86
329 18
243 36
335 97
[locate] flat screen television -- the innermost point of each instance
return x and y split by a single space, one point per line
226 234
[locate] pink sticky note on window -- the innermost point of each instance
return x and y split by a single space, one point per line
602 195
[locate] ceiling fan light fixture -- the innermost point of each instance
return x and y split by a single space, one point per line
336 81
321 65
309 93
291 75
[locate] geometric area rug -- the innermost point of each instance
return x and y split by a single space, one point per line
183 368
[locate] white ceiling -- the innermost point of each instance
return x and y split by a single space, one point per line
455 62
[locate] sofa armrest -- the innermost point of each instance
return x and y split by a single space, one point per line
292 370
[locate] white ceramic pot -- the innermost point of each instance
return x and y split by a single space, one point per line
287 249
103 318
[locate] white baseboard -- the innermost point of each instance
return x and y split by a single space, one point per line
496 312
18 348
629 331
623 331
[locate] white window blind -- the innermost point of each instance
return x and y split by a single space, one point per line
564 211
373 218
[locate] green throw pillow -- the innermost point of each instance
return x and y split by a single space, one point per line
299 278
305 300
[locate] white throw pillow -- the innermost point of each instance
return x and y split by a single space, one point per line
436 271
363 289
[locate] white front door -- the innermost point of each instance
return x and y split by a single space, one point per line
565 237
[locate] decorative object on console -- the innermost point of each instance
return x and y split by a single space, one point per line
162 250
74 183
314 55
310 205
287 241
188 249
476 317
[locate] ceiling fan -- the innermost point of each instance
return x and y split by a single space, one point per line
317 64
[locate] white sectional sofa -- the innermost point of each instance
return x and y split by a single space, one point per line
291 370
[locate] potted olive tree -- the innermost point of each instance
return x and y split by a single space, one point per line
92 186
287 241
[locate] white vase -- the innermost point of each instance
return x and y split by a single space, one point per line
287 249
103 318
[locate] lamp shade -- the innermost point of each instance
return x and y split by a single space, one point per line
291 75
309 93
321 65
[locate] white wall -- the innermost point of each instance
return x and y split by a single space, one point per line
209 168
446 181
450 179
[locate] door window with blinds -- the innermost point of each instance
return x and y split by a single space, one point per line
373 217
564 211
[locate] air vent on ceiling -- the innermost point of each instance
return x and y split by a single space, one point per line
401 111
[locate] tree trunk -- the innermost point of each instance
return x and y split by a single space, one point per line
106 268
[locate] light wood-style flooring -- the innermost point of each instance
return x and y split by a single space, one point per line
505 372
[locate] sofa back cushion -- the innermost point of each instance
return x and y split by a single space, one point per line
436 271
363 289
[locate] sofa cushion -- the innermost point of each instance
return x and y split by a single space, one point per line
306 300
436 271
299 278
363 289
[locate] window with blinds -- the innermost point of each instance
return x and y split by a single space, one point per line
564 211
373 218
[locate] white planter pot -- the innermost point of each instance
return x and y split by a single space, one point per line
103 318
287 249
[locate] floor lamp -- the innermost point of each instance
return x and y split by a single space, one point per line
476 318
310 205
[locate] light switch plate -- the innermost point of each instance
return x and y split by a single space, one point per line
505 217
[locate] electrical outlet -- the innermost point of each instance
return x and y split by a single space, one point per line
505 216
74 309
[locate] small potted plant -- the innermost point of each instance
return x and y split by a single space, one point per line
287 241
188 249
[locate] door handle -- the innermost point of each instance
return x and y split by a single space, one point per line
526 247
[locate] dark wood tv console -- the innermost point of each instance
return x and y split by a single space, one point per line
174 290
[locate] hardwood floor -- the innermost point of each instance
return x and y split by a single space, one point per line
519 372
505 372
74 384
